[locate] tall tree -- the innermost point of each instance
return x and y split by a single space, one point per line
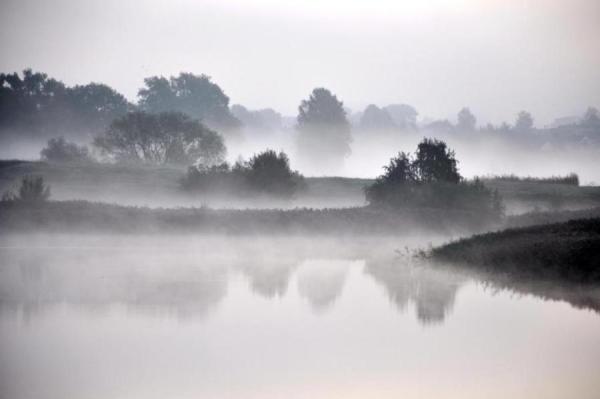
324 132
193 95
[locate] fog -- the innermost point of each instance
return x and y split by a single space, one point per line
188 315
299 199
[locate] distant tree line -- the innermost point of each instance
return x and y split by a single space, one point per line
34 105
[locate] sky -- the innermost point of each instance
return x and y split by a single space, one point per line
496 57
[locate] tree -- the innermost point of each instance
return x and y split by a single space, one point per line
165 138
61 150
324 132
40 106
466 120
430 179
524 122
403 115
193 95
434 161
97 105
375 118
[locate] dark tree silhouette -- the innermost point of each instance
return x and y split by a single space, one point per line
324 132
193 95
431 180
434 161
61 150
36 105
375 118
270 172
466 120
165 138
265 173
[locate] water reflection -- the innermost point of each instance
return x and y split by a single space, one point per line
34 281
432 291
321 282
268 278
189 283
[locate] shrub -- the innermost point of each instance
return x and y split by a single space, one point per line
431 179
267 172
32 191
61 150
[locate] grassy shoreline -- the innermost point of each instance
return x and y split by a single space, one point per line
90 216
566 251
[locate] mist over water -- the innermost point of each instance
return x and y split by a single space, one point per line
149 317
299 199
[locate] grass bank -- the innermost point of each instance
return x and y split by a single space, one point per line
566 251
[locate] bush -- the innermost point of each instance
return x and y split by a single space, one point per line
431 179
60 150
267 172
32 191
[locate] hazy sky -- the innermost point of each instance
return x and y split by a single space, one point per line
495 56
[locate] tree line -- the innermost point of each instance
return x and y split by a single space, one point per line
183 120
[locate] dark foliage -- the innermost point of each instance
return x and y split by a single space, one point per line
435 162
267 173
32 190
61 150
165 138
431 179
35 105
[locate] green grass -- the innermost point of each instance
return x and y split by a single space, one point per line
566 251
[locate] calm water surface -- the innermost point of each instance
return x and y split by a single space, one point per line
189 317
